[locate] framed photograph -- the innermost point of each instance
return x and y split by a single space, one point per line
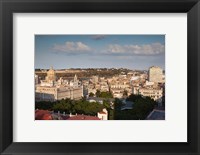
99 77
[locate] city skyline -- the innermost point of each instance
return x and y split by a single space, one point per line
99 51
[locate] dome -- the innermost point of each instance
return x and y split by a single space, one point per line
51 71
51 74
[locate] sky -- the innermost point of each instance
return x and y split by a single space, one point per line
99 51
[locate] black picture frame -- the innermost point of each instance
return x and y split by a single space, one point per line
8 7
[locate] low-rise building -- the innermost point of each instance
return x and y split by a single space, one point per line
154 93
103 115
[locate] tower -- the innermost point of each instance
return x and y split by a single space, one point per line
75 83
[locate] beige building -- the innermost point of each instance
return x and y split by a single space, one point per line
155 94
51 75
95 79
45 93
155 74
51 89
117 93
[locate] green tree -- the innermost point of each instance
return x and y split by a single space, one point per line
133 97
98 93
111 114
106 95
106 104
91 94
44 105
142 106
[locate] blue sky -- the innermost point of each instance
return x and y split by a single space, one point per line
99 51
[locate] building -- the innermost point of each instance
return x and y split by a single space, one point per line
51 75
36 79
83 117
43 115
127 105
154 93
95 99
155 74
95 79
117 93
49 115
103 115
156 115
52 89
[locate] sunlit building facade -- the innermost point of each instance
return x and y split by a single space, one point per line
155 74
52 89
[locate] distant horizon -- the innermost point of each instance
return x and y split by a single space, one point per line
94 68
134 52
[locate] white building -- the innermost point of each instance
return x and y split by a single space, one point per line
103 115
155 74
95 79
155 94
36 79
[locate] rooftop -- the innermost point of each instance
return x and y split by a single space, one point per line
42 115
156 115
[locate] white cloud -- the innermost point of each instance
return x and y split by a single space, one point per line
146 49
72 47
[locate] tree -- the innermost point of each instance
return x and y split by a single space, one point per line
111 114
133 97
98 93
106 95
44 105
142 106
91 94
117 104
106 104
